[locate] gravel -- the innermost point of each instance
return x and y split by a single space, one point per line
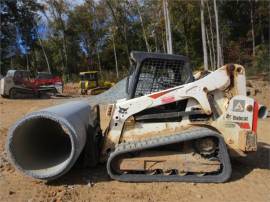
3 160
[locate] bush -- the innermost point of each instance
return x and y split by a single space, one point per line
261 62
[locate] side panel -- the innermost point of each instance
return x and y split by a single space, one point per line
236 124
197 90
6 84
2 86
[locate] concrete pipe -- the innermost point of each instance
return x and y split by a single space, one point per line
46 144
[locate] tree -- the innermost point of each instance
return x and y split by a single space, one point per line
205 58
168 27
187 30
212 47
119 18
58 9
142 24
115 54
17 25
219 56
66 38
252 26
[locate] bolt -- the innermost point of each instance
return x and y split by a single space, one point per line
230 141
249 108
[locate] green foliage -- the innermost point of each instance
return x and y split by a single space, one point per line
80 37
261 62
17 20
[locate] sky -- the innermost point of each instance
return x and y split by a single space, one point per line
42 27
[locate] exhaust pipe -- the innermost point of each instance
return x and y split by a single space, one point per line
46 144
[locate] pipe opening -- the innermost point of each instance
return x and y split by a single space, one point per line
41 147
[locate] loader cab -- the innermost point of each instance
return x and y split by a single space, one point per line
88 80
153 72
21 76
14 79
17 77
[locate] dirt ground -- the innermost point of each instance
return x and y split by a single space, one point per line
250 179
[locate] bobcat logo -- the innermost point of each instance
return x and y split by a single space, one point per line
239 105
122 110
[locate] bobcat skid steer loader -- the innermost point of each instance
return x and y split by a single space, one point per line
172 126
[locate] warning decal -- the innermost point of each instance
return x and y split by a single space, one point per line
239 105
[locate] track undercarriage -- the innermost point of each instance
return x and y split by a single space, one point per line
195 155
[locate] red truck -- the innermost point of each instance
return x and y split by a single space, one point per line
18 84
47 79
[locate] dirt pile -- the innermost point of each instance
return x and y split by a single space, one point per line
260 90
71 89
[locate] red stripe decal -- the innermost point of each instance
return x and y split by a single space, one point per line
244 125
157 95
167 99
255 117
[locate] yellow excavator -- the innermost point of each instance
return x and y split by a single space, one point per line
89 83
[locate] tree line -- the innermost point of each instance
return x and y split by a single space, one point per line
65 37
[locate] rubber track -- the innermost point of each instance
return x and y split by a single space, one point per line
223 156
